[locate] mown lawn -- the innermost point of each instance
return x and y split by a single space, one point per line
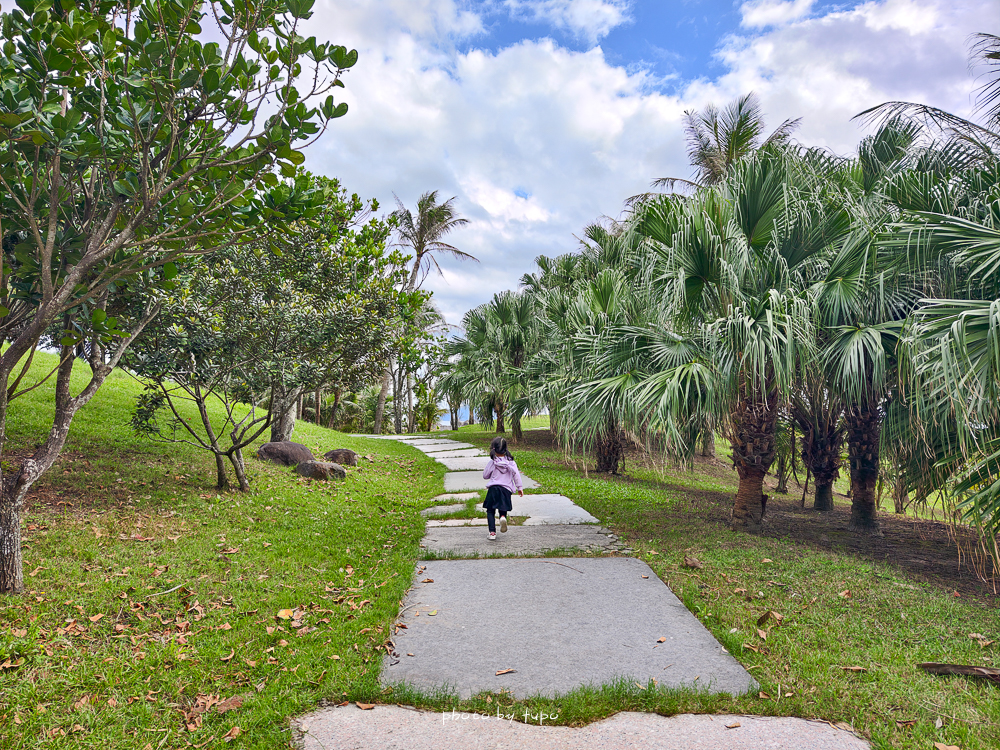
152 597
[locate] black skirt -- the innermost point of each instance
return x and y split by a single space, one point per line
498 498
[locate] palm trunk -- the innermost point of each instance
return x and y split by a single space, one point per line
472 414
609 448
782 487
515 429
708 441
501 430
864 428
752 436
380 407
823 499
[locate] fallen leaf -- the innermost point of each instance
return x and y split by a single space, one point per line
734 725
112 703
505 671
335 657
846 594
231 655
762 694
83 703
428 580
661 640
855 669
96 617
942 746
767 560
230 704
762 634
267 544
232 734
692 562
225 626
981 639
432 613
230 550
905 724
365 706
285 614
645 576
938 723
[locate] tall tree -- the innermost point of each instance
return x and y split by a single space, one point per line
129 140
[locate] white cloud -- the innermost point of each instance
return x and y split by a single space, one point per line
760 13
590 19
536 141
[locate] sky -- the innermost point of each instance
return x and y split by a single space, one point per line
542 116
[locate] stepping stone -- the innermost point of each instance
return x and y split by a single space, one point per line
565 623
549 509
465 453
455 496
454 522
433 450
519 541
404 728
430 442
442 510
471 463
457 481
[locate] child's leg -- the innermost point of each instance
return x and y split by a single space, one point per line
491 520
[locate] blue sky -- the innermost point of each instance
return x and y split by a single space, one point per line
541 116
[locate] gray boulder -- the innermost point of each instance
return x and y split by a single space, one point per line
285 453
342 456
321 470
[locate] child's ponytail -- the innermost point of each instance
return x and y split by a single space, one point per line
498 447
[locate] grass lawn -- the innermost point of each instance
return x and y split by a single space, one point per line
163 614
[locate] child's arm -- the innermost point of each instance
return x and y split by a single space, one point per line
517 480
488 471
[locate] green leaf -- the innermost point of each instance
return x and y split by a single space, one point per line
99 316
169 270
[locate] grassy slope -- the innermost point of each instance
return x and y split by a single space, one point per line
343 553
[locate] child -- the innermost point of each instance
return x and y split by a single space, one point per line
502 480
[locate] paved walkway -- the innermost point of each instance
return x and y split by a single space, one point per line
534 625
400 728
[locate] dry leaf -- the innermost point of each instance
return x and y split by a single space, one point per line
230 550
855 669
645 576
285 614
762 634
938 723
96 617
232 734
505 671
267 544
230 704
846 594
112 703
942 746
335 657
692 562
734 725
767 560
365 706
661 640
231 655
762 694
428 580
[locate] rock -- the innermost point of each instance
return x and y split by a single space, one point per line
321 470
342 456
285 453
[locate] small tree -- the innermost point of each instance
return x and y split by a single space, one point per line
128 140
248 323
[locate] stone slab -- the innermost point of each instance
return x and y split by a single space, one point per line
404 728
457 481
519 541
455 496
470 463
451 452
442 510
560 624
430 443
458 522
549 509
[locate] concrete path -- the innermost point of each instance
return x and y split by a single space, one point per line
454 453
457 481
549 509
442 510
519 541
469 463
399 728
558 624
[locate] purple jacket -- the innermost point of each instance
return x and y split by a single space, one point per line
502 471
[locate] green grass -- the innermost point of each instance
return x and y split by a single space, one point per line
126 520
112 661
528 423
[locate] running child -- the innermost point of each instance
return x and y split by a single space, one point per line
502 480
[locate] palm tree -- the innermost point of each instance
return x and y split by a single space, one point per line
717 139
423 234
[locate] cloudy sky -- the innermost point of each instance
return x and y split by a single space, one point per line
541 116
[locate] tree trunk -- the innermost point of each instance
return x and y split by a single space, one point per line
752 428
284 407
900 496
472 414
823 500
397 401
515 429
319 405
501 430
748 507
609 449
11 560
864 428
411 422
380 407
222 478
708 442
782 487
239 466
